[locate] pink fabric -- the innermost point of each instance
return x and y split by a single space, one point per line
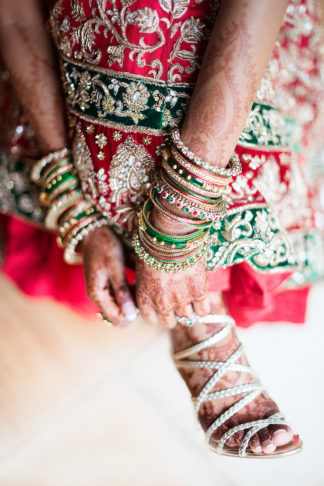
34 261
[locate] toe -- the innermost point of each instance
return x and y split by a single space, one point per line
267 444
255 445
231 442
239 436
281 434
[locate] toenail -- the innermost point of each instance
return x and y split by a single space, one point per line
268 446
257 448
279 431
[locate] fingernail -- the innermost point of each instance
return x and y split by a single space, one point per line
130 311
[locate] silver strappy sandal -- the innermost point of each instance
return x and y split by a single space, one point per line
252 390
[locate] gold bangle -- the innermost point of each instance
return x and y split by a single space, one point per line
208 207
63 203
58 172
46 160
197 170
189 185
67 185
75 211
175 266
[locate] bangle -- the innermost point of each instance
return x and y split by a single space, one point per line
168 179
73 212
233 170
36 173
62 188
169 265
217 179
57 175
69 224
175 197
71 256
75 229
195 174
145 223
57 167
189 182
174 217
62 203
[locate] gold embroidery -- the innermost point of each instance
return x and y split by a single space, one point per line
192 31
147 140
129 180
251 233
117 100
83 164
111 21
101 140
176 8
117 136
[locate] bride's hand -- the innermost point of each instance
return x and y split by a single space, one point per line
104 269
165 296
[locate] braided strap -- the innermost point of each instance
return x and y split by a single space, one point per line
254 427
252 389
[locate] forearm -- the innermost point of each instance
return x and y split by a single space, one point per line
26 50
234 63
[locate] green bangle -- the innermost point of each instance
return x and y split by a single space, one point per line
148 205
55 167
51 186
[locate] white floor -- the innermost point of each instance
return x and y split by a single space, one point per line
112 411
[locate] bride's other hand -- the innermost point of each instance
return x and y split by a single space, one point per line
104 269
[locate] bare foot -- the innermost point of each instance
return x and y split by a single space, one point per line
267 439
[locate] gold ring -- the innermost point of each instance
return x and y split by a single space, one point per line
104 319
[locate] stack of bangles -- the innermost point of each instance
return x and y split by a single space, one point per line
194 189
68 212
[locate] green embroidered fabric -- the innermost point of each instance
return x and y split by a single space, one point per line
250 234
266 127
121 100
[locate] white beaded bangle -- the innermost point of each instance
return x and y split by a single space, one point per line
232 171
71 256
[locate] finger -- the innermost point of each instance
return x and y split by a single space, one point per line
149 315
184 310
124 298
168 320
202 307
98 289
106 304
